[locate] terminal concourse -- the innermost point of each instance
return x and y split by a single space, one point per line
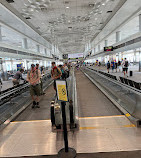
70 78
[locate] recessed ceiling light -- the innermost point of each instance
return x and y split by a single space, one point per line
67 7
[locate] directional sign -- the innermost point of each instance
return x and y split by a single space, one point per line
108 49
61 87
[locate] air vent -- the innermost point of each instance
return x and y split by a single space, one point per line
66 2
10 1
38 28
44 9
28 18
109 11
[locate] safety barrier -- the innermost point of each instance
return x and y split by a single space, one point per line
71 107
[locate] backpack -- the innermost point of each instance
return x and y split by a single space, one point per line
126 64
108 64
30 72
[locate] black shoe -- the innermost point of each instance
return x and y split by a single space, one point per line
34 104
37 105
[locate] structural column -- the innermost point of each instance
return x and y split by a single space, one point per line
94 51
38 48
24 43
98 47
140 61
140 22
118 36
106 43
45 51
140 51
89 45
0 34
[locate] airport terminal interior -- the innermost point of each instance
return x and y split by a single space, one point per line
70 78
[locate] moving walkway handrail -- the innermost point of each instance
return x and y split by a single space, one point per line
14 91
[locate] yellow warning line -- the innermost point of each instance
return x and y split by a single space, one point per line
127 115
31 121
132 125
89 128
101 116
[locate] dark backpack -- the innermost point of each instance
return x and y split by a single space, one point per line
108 65
126 64
30 72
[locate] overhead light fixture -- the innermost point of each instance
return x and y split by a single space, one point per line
67 7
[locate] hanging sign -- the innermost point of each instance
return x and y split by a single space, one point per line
108 49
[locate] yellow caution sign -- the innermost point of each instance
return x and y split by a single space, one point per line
61 90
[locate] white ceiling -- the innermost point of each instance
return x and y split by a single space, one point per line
9 19
69 28
122 21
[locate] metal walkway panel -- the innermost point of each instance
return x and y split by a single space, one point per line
91 101
97 134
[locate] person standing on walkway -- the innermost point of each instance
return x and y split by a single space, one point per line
125 65
33 77
17 77
108 66
113 65
66 70
116 65
55 73
119 65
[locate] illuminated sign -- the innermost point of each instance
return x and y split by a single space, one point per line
108 49
74 56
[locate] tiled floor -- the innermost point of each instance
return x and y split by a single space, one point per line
96 134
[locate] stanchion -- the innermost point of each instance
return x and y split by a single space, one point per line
62 95
66 152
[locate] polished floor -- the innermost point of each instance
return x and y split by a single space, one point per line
108 134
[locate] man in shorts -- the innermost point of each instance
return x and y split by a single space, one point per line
33 77
55 73
125 66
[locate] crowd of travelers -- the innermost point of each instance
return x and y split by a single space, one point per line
34 77
121 65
